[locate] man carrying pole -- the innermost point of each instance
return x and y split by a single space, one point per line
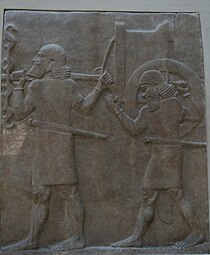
51 97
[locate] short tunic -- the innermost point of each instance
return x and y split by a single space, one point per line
164 169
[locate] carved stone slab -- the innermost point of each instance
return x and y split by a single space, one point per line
103 144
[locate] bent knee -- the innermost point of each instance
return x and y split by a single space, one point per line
41 193
69 190
149 197
148 215
175 193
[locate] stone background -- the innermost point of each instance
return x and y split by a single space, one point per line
110 172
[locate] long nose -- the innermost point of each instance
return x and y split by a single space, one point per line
35 59
143 94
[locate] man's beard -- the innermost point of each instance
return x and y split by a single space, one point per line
153 100
37 71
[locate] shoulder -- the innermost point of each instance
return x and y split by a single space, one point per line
70 82
144 110
172 105
171 101
34 84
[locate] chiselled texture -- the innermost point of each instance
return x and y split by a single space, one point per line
103 140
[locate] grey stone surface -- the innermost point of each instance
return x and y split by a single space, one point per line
200 249
106 250
110 171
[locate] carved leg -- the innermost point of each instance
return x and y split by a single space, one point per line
75 216
144 219
187 211
39 216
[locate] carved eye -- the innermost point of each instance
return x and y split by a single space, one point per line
41 54
143 88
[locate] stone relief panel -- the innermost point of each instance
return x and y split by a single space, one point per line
103 139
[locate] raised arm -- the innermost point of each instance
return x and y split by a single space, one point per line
191 114
85 105
191 111
22 106
132 126
89 102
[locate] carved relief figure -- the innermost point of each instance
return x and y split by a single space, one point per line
51 97
161 116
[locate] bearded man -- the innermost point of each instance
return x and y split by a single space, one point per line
161 116
51 97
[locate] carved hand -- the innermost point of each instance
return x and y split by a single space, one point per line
20 85
113 104
182 88
101 86
107 81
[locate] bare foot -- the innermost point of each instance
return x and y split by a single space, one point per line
131 241
25 244
192 240
69 244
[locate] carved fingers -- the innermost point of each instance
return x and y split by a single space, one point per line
106 78
107 81
113 104
109 102
182 88
100 87
23 79
20 84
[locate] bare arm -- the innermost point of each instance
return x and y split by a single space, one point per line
22 106
132 126
191 111
191 114
87 104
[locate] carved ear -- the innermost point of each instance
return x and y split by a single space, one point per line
51 66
